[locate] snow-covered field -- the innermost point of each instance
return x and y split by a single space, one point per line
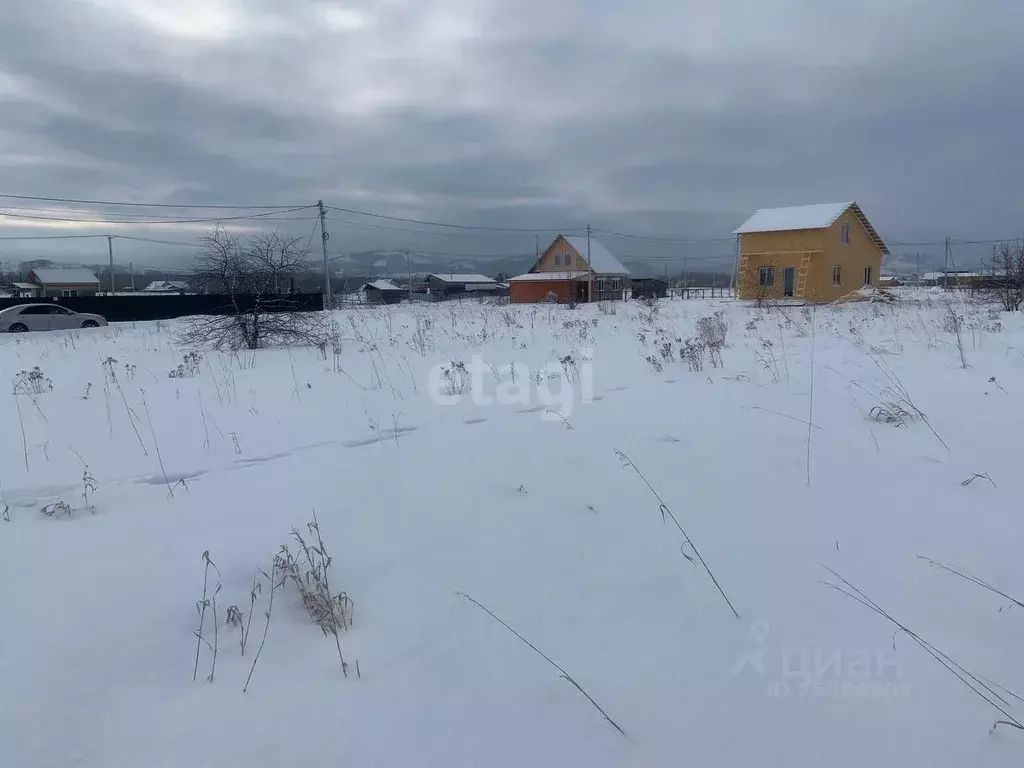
513 493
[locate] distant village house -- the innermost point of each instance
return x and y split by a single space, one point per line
572 269
382 292
166 286
25 291
451 286
63 283
649 288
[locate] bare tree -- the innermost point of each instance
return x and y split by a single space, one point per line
254 275
1008 275
757 282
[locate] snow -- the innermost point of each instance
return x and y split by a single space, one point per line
383 285
533 277
64 276
162 286
601 259
820 216
421 493
453 278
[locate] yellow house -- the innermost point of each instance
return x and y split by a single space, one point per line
810 252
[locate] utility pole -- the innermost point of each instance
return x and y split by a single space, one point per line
110 252
324 237
131 268
945 267
590 270
408 266
686 276
536 247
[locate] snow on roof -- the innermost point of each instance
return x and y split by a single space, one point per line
601 259
453 278
821 216
955 274
796 217
382 285
67 276
165 285
536 277
25 286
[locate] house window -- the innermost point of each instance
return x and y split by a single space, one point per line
867 275
845 235
837 275
68 294
766 277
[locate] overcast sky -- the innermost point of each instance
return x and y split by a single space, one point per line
664 117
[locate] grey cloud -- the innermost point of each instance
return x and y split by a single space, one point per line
670 118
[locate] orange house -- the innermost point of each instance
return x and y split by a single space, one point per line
572 269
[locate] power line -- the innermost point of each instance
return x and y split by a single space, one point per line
444 254
528 230
158 221
673 258
427 231
275 211
152 240
985 242
663 239
148 205
47 237
74 212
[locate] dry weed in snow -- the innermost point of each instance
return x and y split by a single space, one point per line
570 567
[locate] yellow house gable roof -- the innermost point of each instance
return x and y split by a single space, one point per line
820 216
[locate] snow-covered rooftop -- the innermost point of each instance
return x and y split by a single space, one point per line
66 276
820 216
536 277
456 278
601 259
957 274
158 286
382 285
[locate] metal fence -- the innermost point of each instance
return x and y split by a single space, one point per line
119 309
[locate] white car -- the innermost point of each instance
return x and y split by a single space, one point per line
45 317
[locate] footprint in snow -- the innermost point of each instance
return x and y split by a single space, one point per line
532 410
172 478
474 421
385 435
